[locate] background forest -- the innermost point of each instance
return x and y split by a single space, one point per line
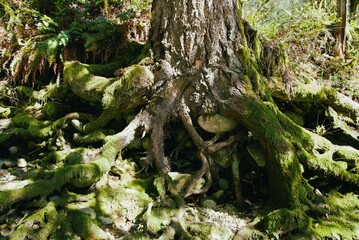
43 137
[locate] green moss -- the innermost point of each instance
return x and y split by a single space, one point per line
35 128
43 94
53 110
13 136
64 229
137 236
282 163
24 92
296 133
98 135
342 221
296 118
38 188
76 157
23 120
124 202
101 121
111 147
75 201
209 231
159 218
86 228
80 175
116 95
135 77
83 83
55 156
282 221
347 154
39 225
5 112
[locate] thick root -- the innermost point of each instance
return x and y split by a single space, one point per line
79 175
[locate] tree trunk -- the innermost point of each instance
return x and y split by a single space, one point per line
211 72
204 42
343 10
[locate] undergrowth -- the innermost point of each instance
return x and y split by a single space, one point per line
306 30
34 35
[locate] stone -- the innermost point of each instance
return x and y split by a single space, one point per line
21 163
209 203
13 150
223 183
222 158
255 150
218 194
216 123
89 211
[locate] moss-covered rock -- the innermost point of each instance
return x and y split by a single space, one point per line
209 231
123 205
255 150
87 228
222 158
216 123
197 222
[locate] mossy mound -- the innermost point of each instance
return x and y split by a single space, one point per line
123 205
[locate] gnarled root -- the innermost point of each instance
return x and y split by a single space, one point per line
79 175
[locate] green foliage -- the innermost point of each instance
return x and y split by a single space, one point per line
98 36
52 47
37 31
306 31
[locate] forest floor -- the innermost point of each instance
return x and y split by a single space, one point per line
124 204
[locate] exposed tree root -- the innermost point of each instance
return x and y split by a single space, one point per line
39 225
79 175
320 94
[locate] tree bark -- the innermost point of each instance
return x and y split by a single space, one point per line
205 42
208 66
343 11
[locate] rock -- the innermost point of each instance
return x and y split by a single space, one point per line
89 211
223 183
221 158
209 203
218 194
216 123
6 164
13 150
123 204
105 220
21 163
4 112
255 150
77 125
